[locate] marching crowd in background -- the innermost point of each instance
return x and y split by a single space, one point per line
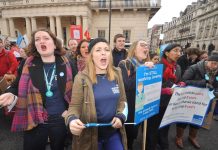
56 91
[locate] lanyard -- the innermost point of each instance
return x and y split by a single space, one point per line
49 93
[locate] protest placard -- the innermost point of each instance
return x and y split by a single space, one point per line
187 105
148 89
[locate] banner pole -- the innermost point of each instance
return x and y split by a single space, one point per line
144 135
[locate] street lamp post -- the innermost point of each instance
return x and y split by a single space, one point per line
109 38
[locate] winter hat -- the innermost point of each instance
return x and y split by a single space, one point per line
95 41
213 57
169 48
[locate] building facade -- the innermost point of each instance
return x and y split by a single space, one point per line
129 17
154 37
196 26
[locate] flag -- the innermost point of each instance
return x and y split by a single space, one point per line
19 39
87 35
22 41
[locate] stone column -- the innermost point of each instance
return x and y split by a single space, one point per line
11 26
85 24
78 20
52 24
34 25
5 29
59 28
28 27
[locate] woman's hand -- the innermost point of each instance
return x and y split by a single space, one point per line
149 64
6 99
9 78
76 127
116 123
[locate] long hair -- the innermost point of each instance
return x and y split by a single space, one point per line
92 71
78 52
132 49
32 47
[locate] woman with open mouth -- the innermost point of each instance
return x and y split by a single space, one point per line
82 54
100 100
41 93
138 55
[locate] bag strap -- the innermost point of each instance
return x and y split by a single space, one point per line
126 64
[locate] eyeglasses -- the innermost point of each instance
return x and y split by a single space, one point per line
176 51
143 45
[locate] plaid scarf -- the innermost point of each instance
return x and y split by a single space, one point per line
81 63
29 108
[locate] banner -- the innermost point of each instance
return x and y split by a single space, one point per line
148 90
76 32
187 105
22 41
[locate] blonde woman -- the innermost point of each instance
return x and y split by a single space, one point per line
99 98
138 55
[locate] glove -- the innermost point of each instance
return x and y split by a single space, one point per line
167 91
209 86
181 84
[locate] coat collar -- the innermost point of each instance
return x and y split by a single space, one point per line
37 75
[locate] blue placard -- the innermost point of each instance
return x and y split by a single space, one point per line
148 90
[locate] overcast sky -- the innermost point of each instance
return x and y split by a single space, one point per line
169 9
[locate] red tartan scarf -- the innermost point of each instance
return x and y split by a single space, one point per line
29 108
169 72
81 63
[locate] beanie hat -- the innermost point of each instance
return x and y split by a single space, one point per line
95 41
213 57
169 48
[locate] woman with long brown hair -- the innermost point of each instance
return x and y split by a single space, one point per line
41 93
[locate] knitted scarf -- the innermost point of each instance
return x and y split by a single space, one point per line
29 108
169 72
135 62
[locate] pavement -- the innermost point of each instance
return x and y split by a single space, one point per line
207 138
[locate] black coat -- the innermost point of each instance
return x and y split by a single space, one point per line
195 76
129 81
185 63
118 56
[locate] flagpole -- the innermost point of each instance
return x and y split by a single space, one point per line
109 38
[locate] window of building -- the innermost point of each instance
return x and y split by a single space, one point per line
127 35
128 3
214 32
102 3
16 33
101 33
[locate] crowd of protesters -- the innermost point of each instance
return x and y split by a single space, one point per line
55 91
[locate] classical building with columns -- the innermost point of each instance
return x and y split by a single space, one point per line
197 26
129 17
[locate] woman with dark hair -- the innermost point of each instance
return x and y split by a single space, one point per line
171 76
189 58
82 54
154 58
41 92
